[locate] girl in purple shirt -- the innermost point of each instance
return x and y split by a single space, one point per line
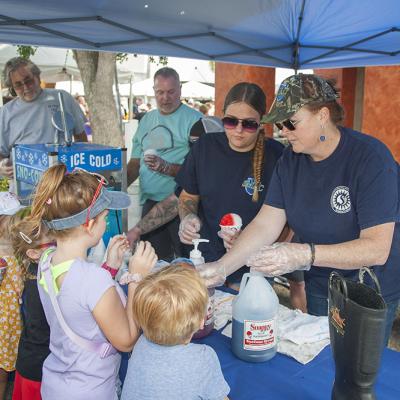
87 317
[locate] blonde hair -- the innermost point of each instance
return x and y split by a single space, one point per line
20 232
7 224
169 305
60 195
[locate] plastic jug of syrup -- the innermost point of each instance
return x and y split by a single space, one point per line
254 322
197 259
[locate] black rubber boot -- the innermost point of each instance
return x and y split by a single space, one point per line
357 316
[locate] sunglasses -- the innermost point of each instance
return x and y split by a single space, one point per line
248 125
102 182
288 124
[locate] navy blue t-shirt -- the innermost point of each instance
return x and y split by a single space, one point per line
223 178
331 201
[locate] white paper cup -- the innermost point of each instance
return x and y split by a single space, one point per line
150 152
231 229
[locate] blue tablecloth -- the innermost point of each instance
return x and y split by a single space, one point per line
283 378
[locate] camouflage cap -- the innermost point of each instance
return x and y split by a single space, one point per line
296 91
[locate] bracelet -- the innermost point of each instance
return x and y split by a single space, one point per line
113 272
127 277
312 248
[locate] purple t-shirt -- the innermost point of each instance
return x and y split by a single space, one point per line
71 372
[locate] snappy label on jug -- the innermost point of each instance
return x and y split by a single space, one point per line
258 335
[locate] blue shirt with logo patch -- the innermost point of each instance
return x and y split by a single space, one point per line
331 201
223 178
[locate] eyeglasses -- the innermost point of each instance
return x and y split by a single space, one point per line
249 125
26 82
288 124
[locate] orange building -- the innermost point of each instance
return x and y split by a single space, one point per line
369 96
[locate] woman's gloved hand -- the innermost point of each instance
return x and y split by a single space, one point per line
213 273
281 258
189 228
229 237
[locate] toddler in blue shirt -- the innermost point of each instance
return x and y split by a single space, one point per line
169 306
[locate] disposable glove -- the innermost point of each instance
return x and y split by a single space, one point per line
229 237
213 273
281 258
189 228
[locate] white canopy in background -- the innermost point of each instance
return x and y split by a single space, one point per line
55 64
197 90
294 34
191 89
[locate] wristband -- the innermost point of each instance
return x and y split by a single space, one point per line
128 278
112 271
312 248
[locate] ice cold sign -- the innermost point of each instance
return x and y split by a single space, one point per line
93 161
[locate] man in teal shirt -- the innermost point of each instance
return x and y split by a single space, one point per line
159 148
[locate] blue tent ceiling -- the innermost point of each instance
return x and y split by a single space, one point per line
282 33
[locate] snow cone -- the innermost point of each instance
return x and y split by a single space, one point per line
231 223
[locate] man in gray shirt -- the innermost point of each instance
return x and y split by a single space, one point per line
28 118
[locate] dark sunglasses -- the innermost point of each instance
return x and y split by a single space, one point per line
288 124
249 125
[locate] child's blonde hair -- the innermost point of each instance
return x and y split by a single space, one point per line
24 236
60 195
169 305
7 222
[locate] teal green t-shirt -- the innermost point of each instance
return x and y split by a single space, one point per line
169 136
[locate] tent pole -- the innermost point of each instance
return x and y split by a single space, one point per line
130 103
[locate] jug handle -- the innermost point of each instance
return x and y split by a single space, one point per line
244 281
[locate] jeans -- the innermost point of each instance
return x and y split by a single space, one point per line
319 306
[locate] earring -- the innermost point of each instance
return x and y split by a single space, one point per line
322 137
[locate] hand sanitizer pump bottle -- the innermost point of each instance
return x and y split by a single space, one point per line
197 259
254 322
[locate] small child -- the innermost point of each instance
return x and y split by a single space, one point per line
11 285
170 305
82 303
33 345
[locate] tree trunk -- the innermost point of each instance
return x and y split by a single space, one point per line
97 72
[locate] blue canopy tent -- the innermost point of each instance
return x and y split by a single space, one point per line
294 34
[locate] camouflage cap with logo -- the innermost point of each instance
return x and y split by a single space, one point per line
297 91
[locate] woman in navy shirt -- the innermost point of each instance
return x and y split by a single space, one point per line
338 190
229 172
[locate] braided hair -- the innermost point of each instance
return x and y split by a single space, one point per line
252 95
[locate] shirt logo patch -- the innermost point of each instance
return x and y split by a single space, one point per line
249 184
340 200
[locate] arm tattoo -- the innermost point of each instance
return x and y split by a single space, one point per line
160 214
187 206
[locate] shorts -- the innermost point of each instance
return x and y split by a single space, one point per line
25 389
